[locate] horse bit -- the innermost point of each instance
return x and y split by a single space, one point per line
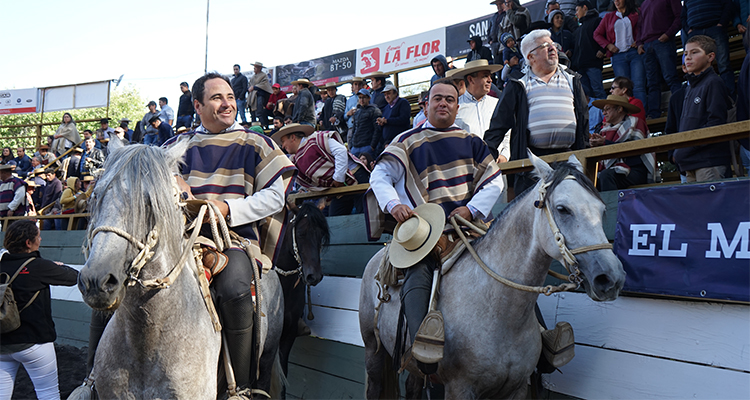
569 260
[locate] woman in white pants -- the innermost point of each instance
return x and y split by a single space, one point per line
31 345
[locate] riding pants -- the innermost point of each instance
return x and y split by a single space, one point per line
415 298
40 362
233 299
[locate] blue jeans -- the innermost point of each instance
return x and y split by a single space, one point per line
659 62
591 79
745 156
185 120
151 139
719 34
241 104
357 151
630 65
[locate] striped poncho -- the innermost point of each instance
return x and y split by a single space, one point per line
442 166
233 165
316 163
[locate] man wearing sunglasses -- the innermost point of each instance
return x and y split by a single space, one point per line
546 109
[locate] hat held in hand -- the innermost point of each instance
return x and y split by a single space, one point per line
415 238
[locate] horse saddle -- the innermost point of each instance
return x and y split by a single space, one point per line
213 260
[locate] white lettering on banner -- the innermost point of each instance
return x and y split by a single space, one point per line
481 28
642 240
665 251
740 241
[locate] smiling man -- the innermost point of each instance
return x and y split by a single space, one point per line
247 176
436 163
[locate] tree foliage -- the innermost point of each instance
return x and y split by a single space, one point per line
124 102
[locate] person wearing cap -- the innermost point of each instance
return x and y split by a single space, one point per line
478 51
240 88
12 192
167 113
150 134
377 84
356 84
164 130
276 95
621 127
105 130
421 116
460 178
323 162
260 89
476 106
185 107
43 154
588 55
395 119
545 110
364 138
304 104
128 132
332 116
247 176
92 158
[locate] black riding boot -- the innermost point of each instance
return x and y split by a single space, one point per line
415 297
237 321
98 322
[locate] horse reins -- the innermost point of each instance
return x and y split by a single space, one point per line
569 260
298 258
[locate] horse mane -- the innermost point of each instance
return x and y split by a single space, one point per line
141 176
561 171
318 222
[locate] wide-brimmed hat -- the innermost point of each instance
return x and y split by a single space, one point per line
331 85
290 129
377 74
125 120
30 183
616 100
8 166
357 79
451 75
480 65
77 150
415 238
258 64
43 147
88 178
302 81
104 121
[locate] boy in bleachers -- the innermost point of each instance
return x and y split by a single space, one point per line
512 57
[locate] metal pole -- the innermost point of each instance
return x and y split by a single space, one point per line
205 64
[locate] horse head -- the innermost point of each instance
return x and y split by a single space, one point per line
309 233
133 221
568 202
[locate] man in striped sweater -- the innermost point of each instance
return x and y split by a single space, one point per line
248 177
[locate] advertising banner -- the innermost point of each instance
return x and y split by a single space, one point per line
334 68
18 101
409 52
457 36
691 241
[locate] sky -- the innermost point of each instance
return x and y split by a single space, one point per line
156 45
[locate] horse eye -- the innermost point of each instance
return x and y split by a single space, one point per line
562 210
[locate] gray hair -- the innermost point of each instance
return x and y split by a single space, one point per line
529 42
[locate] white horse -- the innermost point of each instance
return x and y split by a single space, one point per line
161 341
492 339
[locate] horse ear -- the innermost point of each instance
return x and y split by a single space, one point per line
115 144
176 151
541 169
574 161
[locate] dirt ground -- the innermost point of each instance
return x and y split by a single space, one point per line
71 371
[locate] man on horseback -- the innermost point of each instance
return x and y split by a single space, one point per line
247 177
436 163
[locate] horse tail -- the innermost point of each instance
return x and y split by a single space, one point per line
85 391
278 379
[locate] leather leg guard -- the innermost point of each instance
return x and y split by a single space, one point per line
237 319
415 296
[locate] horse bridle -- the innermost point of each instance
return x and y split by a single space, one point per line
569 260
295 249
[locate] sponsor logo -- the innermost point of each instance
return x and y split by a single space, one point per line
371 60
4 95
697 100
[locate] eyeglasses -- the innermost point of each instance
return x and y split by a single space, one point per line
613 87
548 46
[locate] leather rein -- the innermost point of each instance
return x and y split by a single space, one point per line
569 260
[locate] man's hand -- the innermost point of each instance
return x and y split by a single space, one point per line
462 211
641 50
184 187
332 120
741 28
402 212
663 38
600 54
596 140
351 112
337 184
381 121
501 159
250 89
223 207
612 48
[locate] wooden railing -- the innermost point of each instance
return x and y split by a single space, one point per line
70 217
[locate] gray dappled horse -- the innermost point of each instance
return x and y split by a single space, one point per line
161 342
492 340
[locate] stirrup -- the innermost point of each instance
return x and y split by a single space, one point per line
244 394
558 344
430 339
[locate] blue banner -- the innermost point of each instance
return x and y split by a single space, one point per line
690 240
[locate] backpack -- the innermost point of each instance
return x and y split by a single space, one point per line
10 318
